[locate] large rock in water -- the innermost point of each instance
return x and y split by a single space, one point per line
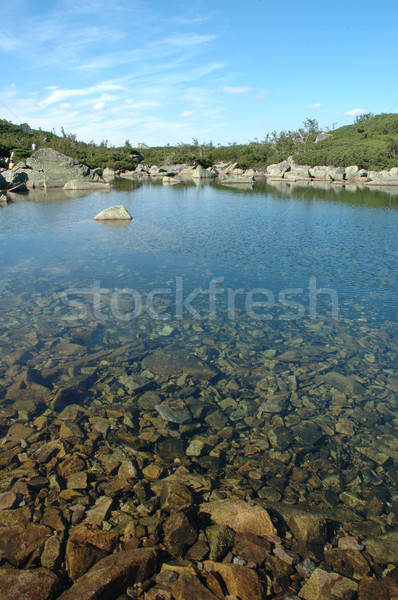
49 168
114 213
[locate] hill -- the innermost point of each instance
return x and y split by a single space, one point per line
371 143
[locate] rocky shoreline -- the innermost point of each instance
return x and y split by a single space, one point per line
47 169
286 171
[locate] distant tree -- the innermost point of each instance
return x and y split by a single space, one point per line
363 118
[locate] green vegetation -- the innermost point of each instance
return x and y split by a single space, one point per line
371 143
19 139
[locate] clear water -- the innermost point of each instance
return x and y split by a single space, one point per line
321 263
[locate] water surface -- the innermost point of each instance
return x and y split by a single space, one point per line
304 379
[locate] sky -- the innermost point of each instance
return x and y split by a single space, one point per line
159 72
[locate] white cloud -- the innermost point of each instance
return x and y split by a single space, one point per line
243 89
315 106
99 106
188 114
354 112
59 95
7 43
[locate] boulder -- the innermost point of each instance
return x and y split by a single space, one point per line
336 173
108 173
383 177
114 213
297 172
48 168
319 173
54 169
351 172
278 169
322 136
201 173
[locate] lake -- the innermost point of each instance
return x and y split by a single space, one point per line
249 335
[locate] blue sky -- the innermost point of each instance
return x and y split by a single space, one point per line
159 72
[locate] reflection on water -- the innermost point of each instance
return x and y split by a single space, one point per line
302 410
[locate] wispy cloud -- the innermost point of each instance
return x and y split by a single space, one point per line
188 114
243 89
8 43
315 106
58 95
354 112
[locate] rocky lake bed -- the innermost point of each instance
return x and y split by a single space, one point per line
192 458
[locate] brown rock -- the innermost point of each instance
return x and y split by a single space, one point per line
29 584
85 547
18 432
71 464
327 586
18 542
52 518
77 481
179 533
51 557
240 516
251 548
174 496
100 510
111 575
175 361
188 587
349 563
7 500
383 589
384 549
239 581
153 471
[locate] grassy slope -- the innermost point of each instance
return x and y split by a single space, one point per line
370 145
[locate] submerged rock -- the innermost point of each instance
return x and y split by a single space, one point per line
114 213
240 516
110 576
174 415
28 584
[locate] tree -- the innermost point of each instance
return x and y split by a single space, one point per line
363 118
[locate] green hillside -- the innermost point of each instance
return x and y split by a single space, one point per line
371 143
19 139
